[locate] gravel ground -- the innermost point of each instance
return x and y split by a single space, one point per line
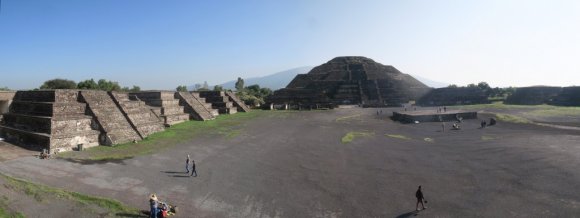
296 166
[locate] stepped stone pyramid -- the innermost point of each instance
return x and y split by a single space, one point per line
351 80
140 116
570 96
114 125
168 105
196 107
52 119
219 100
241 106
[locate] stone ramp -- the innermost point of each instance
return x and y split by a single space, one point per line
139 115
165 104
196 108
114 125
237 102
50 119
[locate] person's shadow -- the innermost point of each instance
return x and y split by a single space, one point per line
409 214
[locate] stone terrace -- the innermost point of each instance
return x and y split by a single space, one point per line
197 108
168 106
219 100
140 116
53 120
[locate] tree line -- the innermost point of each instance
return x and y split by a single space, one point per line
497 92
101 84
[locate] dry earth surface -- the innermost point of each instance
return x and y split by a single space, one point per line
336 163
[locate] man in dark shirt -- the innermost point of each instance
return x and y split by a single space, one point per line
193 168
420 198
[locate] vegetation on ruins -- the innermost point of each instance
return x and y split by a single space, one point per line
59 84
253 95
181 88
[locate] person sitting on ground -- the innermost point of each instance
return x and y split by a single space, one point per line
492 121
44 154
456 126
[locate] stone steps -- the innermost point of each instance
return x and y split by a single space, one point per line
194 107
113 122
165 105
241 106
140 116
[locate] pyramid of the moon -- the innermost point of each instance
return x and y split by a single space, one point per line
351 80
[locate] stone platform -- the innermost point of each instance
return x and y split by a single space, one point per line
432 116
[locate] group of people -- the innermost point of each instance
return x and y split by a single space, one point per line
441 109
159 209
484 124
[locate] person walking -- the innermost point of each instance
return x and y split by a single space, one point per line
154 203
193 168
420 199
187 164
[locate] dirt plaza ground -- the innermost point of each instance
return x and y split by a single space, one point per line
338 163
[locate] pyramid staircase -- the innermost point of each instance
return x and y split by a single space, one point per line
167 104
140 116
197 108
114 125
237 102
220 101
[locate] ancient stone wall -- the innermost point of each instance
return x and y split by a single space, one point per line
570 96
220 101
51 119
534 95
167 105
454 96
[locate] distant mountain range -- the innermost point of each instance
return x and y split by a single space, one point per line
281 79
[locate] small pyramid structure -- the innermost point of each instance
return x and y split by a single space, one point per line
351 80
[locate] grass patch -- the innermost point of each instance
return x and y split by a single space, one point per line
42 193
397 136
228 126
346 118
511 118
5 212
487 138
350 136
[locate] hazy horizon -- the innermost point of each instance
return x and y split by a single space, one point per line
160 45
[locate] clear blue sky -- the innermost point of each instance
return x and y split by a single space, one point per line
162 44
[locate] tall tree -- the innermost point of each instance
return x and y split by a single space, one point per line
107 85
240 84
59 84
